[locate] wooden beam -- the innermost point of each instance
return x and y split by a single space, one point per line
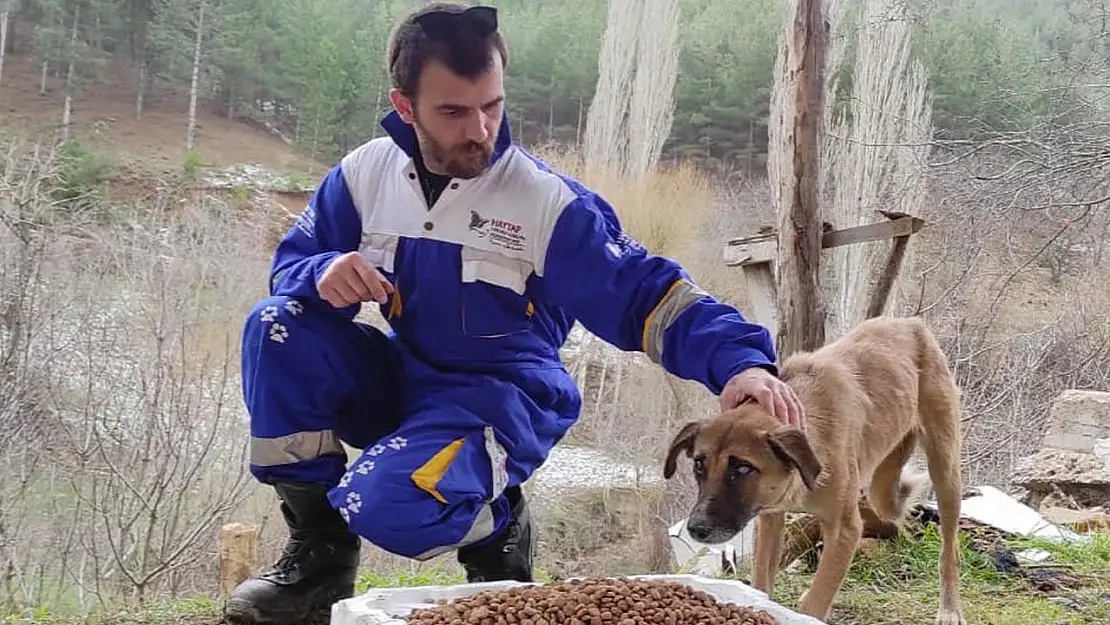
762 294
751 254
891 269
801 314
899 227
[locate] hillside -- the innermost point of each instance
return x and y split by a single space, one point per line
104 114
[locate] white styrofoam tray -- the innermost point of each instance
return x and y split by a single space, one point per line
390 606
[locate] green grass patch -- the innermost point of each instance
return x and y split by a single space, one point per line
193 611
897 582
433 576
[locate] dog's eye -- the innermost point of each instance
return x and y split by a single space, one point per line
738 469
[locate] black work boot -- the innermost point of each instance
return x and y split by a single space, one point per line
316 568
509 556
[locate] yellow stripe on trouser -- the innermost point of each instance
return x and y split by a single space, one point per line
396 306
680 296
429 474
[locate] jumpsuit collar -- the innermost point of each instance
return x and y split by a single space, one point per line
404 136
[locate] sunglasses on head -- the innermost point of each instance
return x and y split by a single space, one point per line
480 20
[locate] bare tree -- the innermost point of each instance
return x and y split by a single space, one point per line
194 85
630 117
120 423
877 151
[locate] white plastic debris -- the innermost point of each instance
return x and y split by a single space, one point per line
990 506
701 559
391 606
1033 556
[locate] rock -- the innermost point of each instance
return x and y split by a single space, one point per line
1090 518
1077 420
1080 477
1049 467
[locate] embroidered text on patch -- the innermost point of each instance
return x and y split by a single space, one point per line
500 232
622 245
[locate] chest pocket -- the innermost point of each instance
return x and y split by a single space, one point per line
379 250
493 299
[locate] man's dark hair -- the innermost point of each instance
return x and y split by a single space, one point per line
460 37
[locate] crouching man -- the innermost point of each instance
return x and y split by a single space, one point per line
481 258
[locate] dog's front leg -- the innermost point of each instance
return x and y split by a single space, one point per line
841 538
768 549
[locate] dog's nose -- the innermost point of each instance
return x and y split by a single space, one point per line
698 532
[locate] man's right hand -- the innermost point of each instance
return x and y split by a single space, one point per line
351 279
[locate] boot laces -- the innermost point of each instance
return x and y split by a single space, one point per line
290 558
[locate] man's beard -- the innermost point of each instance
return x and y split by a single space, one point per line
465 160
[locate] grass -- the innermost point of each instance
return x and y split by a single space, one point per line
192 611
896 582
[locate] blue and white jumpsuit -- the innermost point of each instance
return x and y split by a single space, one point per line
466 394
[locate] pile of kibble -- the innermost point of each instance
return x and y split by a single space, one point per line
591 602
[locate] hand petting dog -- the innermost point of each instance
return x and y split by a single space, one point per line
771 393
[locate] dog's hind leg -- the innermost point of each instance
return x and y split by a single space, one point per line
769 530
939 407
841 537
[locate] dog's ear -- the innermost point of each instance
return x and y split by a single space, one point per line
683 441
791 446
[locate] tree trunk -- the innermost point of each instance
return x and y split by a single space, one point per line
800 307
67 110
4 37
190 134
230 101
578 128
141 91
315 139
378 107
551 108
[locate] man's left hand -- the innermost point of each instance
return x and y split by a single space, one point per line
771 393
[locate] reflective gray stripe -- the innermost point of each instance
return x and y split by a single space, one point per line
673 304
267 452
481 528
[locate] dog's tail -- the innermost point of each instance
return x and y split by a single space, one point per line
912 490
897 486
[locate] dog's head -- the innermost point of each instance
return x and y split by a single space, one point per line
744 460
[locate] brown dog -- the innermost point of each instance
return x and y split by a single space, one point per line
869 397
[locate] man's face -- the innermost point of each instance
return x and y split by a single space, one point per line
456 120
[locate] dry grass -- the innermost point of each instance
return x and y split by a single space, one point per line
665 211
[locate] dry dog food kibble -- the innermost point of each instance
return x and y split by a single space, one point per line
592 602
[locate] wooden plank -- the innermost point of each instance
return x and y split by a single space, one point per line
751 254
893 265
900 227
881 295
760 278
903 225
